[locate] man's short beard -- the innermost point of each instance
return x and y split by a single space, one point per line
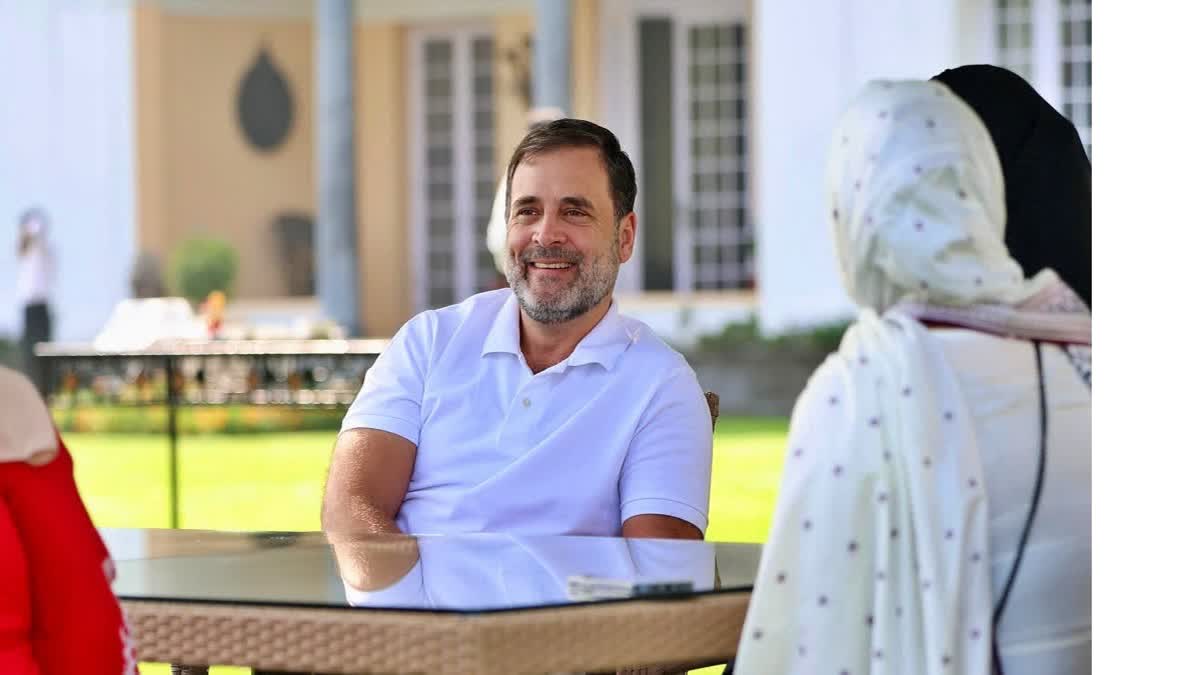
595 282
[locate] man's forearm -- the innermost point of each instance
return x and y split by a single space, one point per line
357 515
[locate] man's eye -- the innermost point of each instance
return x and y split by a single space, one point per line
526 212
576 213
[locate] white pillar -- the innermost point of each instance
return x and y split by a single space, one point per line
809 59
67 144
336 235
552 55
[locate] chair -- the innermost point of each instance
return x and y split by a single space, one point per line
714 406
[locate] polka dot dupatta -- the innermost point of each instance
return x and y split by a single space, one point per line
877 560
877 556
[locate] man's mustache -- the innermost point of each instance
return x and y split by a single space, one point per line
553 253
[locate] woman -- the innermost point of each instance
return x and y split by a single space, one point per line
936 498
35 274
58 614
1047 173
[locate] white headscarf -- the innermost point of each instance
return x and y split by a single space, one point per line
877 560
916 196
26 429
917 201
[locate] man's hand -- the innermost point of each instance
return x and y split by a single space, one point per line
653 526
368 478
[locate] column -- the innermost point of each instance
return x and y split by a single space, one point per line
552 55
336 235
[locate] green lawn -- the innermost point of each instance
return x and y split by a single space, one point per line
273 481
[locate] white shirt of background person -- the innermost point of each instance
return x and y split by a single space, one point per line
35 267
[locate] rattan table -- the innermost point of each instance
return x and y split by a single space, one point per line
313 603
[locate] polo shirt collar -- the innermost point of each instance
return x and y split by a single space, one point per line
602 345
606 341
505 334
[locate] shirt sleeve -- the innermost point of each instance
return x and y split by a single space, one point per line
390 398
668 468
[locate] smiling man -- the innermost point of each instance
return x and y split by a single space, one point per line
537 409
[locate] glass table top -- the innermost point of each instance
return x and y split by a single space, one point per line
452 573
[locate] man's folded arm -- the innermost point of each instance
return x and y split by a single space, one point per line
666 477
373 457
368 479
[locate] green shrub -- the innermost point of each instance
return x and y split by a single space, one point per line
9 354
231 419
746 336
201 266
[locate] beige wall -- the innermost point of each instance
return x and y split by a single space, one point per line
198 175
585 59
215 182
381 106
148 116
511 110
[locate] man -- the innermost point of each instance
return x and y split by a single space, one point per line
537 409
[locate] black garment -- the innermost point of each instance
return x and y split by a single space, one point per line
37 329
1047 173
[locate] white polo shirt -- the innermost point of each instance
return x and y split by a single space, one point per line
618 429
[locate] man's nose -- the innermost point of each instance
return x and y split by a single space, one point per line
549 231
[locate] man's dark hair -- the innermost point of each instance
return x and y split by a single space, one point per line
573 133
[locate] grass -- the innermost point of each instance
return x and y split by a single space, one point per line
274 481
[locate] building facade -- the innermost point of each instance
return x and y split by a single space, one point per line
725 107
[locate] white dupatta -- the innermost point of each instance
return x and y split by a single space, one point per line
877 560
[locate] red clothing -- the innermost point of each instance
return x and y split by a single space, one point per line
58 614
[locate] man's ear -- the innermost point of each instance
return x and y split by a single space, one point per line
626 235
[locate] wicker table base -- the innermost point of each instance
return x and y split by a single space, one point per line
610 636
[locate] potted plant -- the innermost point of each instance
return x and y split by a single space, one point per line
203 271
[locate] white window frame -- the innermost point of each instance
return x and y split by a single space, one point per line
1002 52
1047 52
621 105
1085 131
685 263
465 238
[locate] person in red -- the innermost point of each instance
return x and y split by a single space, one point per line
58 614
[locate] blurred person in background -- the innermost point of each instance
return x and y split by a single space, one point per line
146 279
58 614
935 509
35 278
